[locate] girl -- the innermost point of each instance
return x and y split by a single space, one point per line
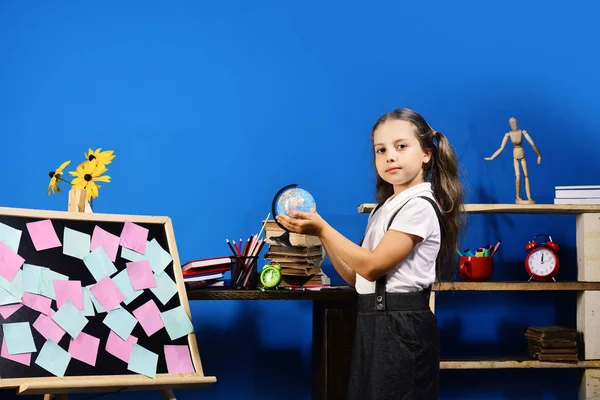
409 242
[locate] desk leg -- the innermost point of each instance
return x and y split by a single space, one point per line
333 337
168 394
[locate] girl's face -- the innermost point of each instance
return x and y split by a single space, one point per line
399 158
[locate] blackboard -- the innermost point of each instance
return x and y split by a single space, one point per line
109 371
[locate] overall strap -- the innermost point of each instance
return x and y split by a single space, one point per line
373 213
380 284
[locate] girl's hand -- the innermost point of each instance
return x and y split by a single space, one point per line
307 223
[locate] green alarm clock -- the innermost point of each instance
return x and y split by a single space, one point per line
270 275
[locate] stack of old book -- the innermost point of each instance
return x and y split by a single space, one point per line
206 272
300 264
552 343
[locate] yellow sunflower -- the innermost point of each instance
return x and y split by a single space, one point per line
55 177
87 174
103 157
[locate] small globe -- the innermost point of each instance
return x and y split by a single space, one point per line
295 199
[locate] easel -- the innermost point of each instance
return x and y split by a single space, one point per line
52 387
79 203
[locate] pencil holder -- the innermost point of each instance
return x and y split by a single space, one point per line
475 269
243 272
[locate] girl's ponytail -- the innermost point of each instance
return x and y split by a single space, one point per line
448 191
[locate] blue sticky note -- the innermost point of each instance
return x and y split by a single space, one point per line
18 338
53 358
143 361
47 282
70 318
10 236
177 323
76 244
99 264
15 288
157 256
124 284
131 255
7 298
88 305
165 288
32 275
121 322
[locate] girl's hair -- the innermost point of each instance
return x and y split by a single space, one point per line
442 172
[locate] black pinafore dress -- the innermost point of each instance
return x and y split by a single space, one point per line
396 346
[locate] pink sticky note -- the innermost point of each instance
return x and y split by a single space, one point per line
119 347
68 290
140 275
9 309
85 348
106 240
43 234
49 329
10 262
23 358
107 293
37 302
148 315
178 359
134 237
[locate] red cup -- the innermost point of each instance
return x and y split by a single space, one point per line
475 269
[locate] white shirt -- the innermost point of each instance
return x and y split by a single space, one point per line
417 217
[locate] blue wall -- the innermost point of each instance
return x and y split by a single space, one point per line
211 107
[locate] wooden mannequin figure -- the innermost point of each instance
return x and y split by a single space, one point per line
516 138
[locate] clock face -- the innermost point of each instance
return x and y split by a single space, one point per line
542 262
270 276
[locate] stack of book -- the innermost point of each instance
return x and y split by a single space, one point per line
586 194
206 272
552 343
301 264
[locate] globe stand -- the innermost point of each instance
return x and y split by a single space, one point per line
284 239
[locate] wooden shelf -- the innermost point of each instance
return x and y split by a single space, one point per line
516 364
514 208
516 286
340 293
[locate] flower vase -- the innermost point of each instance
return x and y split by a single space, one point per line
78 201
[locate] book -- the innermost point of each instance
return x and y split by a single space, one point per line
207 262
552 343
589 200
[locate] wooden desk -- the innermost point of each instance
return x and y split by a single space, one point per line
334 318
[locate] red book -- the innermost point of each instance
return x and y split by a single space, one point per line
206 262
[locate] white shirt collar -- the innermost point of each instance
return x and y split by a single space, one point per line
408 193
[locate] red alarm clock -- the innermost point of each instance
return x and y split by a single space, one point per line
542 261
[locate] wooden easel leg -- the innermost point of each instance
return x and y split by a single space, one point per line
168 394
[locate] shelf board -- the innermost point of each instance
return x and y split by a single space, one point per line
515 364
340 293
516 286
514 208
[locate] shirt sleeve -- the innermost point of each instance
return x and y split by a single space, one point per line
415 218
